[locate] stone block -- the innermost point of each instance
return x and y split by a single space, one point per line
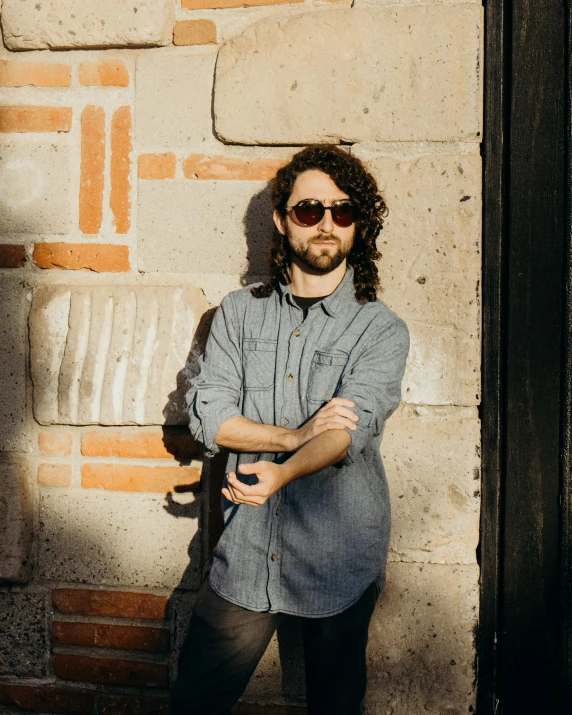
431 266
59 24
112 355
12 364
393 74
23 635
17 523
431 455
421 651
209 226
173 99
86 538
34 185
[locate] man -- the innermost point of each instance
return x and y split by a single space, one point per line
297 380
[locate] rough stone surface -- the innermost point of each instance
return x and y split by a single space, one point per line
431 266
420 652
34 185
111 355
393 74
23 635
16 522
431 455
12 364
173 99
187 216
75 23
87 538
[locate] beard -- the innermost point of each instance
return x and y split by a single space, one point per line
324 262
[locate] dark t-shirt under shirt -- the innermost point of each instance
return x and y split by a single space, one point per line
306 303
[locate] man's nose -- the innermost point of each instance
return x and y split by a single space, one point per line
326 224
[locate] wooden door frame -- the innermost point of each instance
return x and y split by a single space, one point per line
517 33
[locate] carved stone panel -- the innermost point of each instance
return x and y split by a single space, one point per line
112 355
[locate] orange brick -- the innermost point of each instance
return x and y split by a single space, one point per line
35 119
55 475
110 671
100 635
194 32
55 444
14 73
216 4
201 166
104 74
47 699
135 478
157 166
170 444
92 168
12 255
120 198
130 705
100 258
122 604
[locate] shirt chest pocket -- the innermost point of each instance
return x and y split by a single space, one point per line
325 373
258 363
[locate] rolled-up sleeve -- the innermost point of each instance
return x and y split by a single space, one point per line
214 395
374 383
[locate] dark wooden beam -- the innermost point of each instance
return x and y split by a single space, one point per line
494 152
530 643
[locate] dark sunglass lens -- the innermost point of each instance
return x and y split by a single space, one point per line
309 213
343 214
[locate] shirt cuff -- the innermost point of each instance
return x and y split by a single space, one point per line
359 436
206 420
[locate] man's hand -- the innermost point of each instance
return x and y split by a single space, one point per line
335 415
327 448
271 478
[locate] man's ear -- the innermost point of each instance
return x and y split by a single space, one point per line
279 221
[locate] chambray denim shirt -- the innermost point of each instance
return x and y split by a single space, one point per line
321 540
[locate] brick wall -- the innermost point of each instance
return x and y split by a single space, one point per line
136 152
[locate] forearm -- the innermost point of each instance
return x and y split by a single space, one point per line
320 452
243 435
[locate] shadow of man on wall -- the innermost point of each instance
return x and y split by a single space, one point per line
266 683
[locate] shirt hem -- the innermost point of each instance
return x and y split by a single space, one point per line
335 612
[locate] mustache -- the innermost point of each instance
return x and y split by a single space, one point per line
329 237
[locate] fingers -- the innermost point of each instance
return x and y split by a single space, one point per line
342 411
341 401
240 493
338 422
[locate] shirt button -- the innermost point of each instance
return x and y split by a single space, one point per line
290 378
285 422
273 557
277 512
297 333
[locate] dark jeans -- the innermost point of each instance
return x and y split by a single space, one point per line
225 642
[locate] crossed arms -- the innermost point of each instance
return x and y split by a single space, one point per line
322 441
368 393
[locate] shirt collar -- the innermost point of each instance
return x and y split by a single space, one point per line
332 304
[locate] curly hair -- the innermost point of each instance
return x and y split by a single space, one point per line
350 175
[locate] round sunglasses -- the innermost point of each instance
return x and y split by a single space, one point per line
309 212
